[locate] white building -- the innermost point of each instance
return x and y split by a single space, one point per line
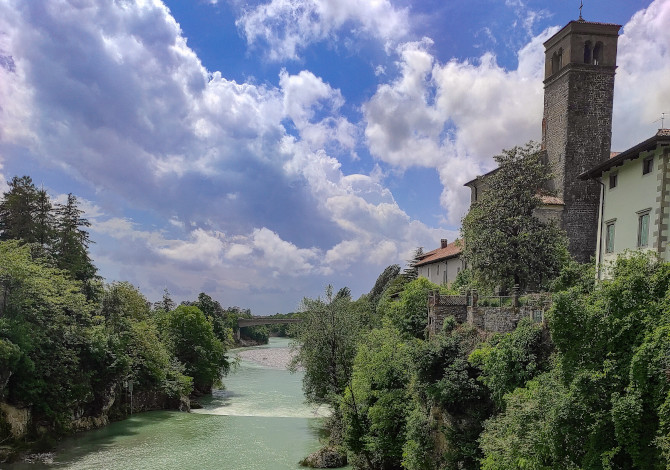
441 266
635 201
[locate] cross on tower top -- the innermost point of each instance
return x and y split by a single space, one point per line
581 5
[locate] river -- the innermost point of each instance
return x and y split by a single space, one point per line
259 422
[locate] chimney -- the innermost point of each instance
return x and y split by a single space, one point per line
443 243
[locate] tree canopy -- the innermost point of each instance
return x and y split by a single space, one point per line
506 243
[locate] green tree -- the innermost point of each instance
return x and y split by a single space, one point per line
411 272
506 243
508 361
604 404
18 209
216 315
449 386
48 319
326 341
45 222
409 314
166 303
381 284
192 341
375 405
530 433
71 244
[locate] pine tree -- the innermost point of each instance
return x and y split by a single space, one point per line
45 221
72 240
18 209
411 272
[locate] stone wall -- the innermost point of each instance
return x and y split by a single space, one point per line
491 319
494 319
578 134
442 306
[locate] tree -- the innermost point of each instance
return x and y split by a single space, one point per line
327 338
18 209
409 314
44 221
44 326
506 243
605 403
72 240
192 341
166 303
509 361
411 272
381 284
375 405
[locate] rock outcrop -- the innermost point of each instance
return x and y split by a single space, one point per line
326 457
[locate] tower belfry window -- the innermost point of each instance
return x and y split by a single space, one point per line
598 53
587 52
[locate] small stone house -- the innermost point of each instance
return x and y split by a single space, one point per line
442 265
634 201
551 208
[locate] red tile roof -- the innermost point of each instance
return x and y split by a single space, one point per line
452 250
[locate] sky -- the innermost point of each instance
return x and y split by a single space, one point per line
259 151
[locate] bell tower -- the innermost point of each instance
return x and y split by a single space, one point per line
580 62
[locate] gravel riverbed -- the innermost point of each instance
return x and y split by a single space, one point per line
277 358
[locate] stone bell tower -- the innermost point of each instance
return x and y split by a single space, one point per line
580 62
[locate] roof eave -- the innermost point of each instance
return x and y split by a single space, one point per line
630 154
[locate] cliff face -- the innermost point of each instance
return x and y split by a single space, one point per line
13 422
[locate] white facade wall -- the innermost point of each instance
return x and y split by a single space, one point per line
635 194
442 272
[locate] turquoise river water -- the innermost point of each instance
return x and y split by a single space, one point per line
259 422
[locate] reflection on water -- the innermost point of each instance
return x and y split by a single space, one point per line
260 421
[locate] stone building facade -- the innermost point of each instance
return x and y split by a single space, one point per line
580 62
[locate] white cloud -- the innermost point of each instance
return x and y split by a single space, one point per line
202 248
454 117
306 98
641 85
282 257
288 26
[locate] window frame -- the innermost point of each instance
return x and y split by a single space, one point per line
640 217
609 240
648 165
613 177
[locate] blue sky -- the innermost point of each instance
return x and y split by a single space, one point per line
258 151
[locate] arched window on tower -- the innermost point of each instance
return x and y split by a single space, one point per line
598 53
557 61
587 52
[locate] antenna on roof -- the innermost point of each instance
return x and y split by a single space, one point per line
662 119
581 5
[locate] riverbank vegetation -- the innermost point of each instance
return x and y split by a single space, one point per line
589 388
73 349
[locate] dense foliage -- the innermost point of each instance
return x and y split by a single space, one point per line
590 389
506 244
72 348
